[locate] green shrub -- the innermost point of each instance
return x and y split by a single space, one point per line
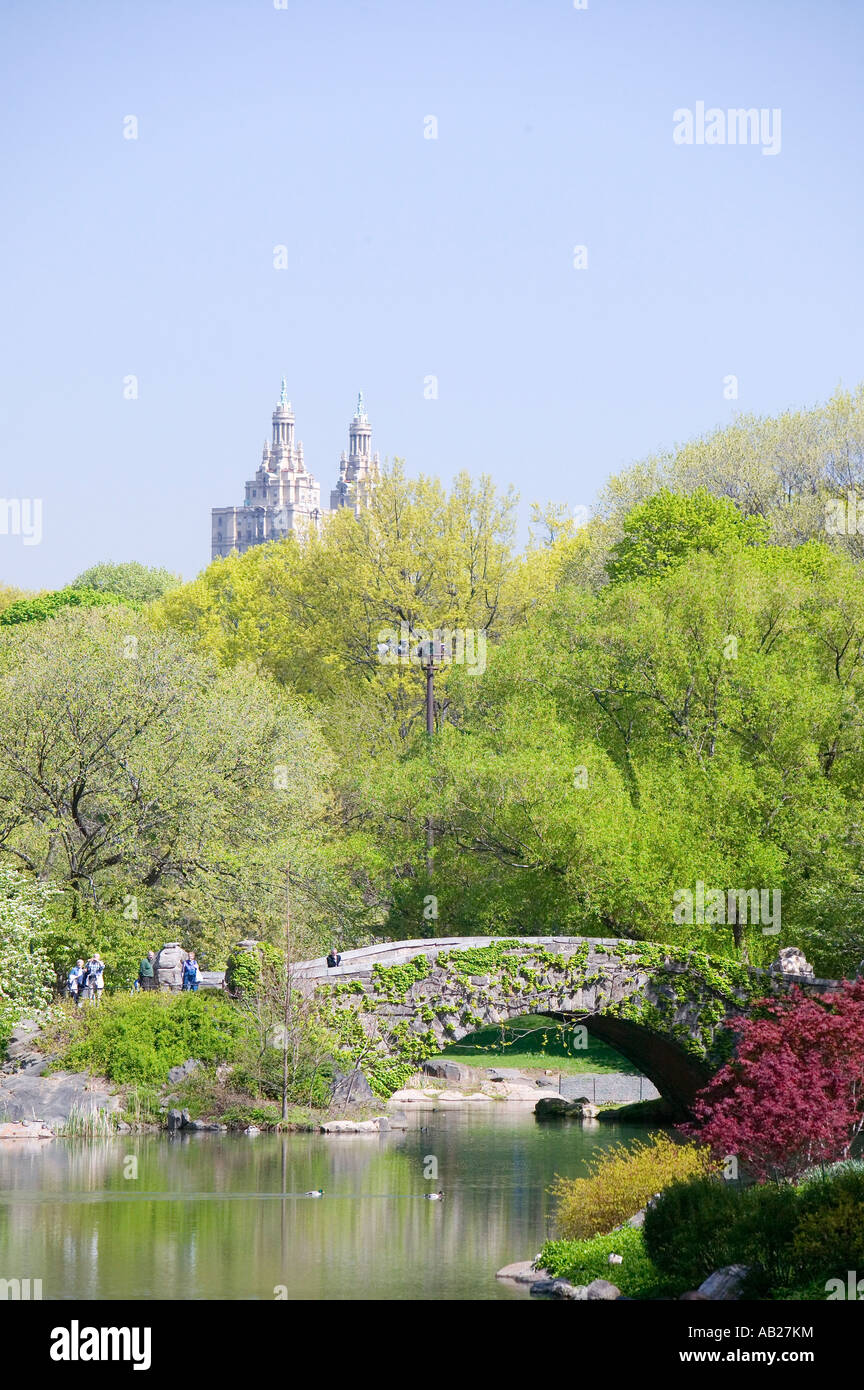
42 606
763 1224
140 1037
829 1234
239 1116
621 1181
789 1237
687 1229
581 1261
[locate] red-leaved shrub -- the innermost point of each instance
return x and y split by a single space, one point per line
793 1095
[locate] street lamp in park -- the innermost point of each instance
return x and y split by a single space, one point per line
431 659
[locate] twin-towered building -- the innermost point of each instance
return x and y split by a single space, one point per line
284 496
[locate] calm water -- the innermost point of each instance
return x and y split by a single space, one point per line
223 1216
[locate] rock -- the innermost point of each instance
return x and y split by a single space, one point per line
23 1130
615 1260
382 1123
558 1288
251 1129
523 1272
408 1095
52 1099
552 1107
642 1112
602 1289
724 1284
352 1127
790 960
637 1220
350 1088
445 1071
526 1091
202 1125
177 1119
21 1055
590 1111
180 1073
693 1296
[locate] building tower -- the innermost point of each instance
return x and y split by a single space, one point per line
282 497
359 469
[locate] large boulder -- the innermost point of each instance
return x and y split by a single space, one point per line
557 1288
555 1107
180 1073
22 1054
350 1088
52 1099
446 1071
602 1289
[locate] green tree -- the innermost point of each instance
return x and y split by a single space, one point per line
136 773
702 724
132 581
663 531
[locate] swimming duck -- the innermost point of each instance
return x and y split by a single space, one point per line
317 1192
434 1196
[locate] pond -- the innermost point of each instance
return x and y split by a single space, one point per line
223 1216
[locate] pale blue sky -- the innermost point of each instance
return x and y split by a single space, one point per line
304 126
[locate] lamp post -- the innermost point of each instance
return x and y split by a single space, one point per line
431 659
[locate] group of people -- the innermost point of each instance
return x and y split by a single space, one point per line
87 981
192 976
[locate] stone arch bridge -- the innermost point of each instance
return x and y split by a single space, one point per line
394 1004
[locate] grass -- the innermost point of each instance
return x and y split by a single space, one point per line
581 1261
534 1042
87 1124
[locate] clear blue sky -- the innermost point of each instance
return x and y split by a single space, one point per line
304 126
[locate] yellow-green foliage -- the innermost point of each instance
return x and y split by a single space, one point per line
622 1181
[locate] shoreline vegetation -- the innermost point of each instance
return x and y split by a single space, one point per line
203 1055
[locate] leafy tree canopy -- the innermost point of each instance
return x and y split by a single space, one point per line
663 531
132 581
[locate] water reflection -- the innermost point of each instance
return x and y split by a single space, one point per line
223 1216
